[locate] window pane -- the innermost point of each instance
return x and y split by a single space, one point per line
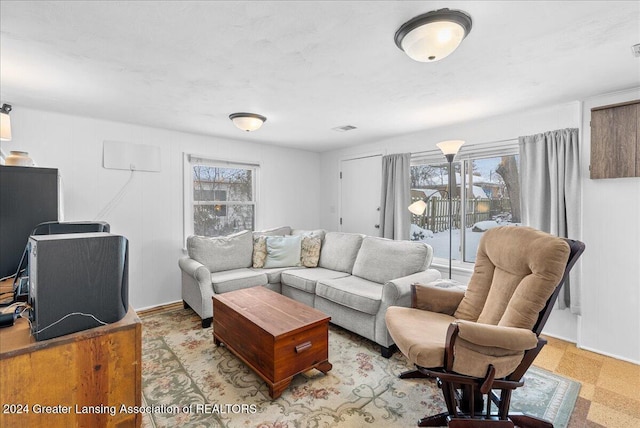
223 200
430 184
492 188
492 198
222 184
216 220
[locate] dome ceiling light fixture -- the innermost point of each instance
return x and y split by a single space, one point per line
247 121
434 35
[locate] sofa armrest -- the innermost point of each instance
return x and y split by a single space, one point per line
196 270
397 292
495 336
436 299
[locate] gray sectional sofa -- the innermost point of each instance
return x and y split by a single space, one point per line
354 279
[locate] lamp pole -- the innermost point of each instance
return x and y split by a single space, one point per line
450 160
449 150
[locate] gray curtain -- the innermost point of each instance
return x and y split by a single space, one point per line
550 193
395 218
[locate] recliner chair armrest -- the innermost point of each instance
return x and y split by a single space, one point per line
397 292
436 299
195 269
511 338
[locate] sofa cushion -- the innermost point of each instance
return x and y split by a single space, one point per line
274 274
352 292
222 253
276 231
315 232
236 279
305 279
381 260
339 251
310 251
283 251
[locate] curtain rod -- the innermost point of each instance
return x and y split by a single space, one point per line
488 145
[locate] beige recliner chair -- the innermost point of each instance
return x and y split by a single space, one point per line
485 338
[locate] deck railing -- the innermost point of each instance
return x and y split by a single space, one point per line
436 216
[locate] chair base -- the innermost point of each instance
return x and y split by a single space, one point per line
514 420
414 374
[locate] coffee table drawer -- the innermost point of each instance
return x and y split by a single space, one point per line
297 352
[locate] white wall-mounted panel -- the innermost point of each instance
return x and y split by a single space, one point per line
131 156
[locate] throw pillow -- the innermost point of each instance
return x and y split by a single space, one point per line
283 251
259 251
310 251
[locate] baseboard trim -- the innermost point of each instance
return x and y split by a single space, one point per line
607 354
557 336
597 351
148 310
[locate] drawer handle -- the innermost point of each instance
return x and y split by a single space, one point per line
303 347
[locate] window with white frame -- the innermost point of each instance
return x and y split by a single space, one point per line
486 194
220 196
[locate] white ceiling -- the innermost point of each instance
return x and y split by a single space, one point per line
308 66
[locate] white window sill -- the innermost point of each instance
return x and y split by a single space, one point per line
460 271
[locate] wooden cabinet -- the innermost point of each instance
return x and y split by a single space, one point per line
615 140
78 380
276 336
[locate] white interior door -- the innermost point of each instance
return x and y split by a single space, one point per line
360 195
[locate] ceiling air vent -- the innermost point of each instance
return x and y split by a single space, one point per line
344 128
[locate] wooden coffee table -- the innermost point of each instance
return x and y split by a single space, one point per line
274 335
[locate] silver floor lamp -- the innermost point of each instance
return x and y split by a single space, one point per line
450 148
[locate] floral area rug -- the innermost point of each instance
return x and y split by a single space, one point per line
189 382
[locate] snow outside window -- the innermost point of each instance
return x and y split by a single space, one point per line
486 194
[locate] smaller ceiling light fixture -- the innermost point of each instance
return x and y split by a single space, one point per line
5 123
434 35
247 121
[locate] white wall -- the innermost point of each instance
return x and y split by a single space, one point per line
610 323
150 213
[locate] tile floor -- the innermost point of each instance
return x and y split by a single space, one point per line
610 392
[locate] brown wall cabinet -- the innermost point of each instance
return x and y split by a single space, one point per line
615 140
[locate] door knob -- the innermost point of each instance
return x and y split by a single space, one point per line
377 226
